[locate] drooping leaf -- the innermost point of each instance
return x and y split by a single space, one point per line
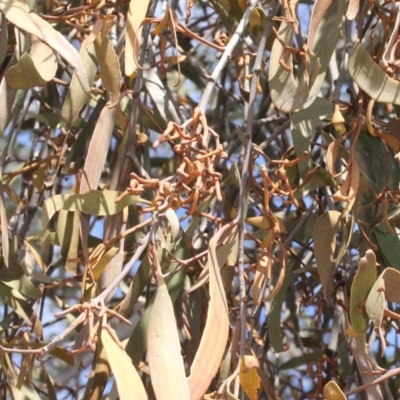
326 17
164 350
249 379
136 13
274 316
137 344
17 12
262 267
98 149
286 92
370 77
352 9
129 384
76 97
303 124
325 230
384 289
5 248
20 305
362 283
212 346
110 71
68 239
8 96
386 244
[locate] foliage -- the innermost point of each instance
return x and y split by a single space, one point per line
199 200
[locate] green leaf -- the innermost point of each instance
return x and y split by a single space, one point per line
370 77
17 12
274 316
33 69
286 92
325 230
362 283
330 24
388 245
76 97
303 124
94 202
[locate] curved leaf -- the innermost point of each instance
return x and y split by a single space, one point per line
136 13
371 78
362 283
33 69
212 346
94 202
18 13
286 93
333 392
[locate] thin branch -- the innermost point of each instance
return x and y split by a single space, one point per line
243 191
227 55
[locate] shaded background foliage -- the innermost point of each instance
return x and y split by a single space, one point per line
212 186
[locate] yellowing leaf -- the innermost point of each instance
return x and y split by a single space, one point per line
255 19
262 272
267 222
136 13
267 240
104 260
212 346
249 379
325 230
174 60
110 71
167 369
338 121
129 384
17 12
261 222
333 392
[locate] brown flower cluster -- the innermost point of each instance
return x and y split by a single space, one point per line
196 178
